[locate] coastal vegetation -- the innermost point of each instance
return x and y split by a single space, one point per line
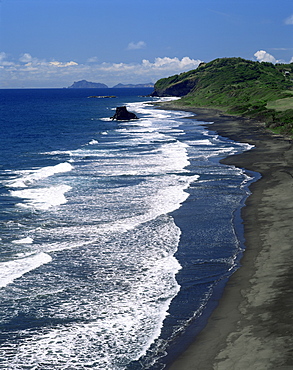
258 90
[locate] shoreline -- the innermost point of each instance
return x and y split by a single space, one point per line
251 328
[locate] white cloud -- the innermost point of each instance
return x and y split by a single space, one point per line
28 61
92 60
136 46
172 63
263 56
4 61
25 58
289 20
159 65
2 56
116 67
29 71
63 65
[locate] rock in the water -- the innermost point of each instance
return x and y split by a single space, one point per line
122 114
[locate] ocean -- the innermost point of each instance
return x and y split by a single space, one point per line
117 237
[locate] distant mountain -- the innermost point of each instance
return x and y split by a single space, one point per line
133 85
83 84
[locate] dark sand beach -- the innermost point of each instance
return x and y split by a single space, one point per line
252 326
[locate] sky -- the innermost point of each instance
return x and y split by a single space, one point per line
52 43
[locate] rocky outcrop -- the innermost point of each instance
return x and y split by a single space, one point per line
122 114
177 89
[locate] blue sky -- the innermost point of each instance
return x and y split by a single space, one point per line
52 43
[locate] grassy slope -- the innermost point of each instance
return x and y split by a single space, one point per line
238 86
281 105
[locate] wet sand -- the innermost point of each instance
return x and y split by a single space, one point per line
252 327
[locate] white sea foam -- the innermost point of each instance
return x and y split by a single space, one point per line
167 98
93 142
27 240
58 152
170 157
9 271
42 198
140 108
29 177
120 279
204 142
110 320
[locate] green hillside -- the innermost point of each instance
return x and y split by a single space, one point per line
263 91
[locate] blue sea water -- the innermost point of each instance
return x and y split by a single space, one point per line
116 237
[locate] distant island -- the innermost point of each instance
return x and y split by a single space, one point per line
123 86
83 84
259 90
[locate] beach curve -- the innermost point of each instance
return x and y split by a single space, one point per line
252 326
